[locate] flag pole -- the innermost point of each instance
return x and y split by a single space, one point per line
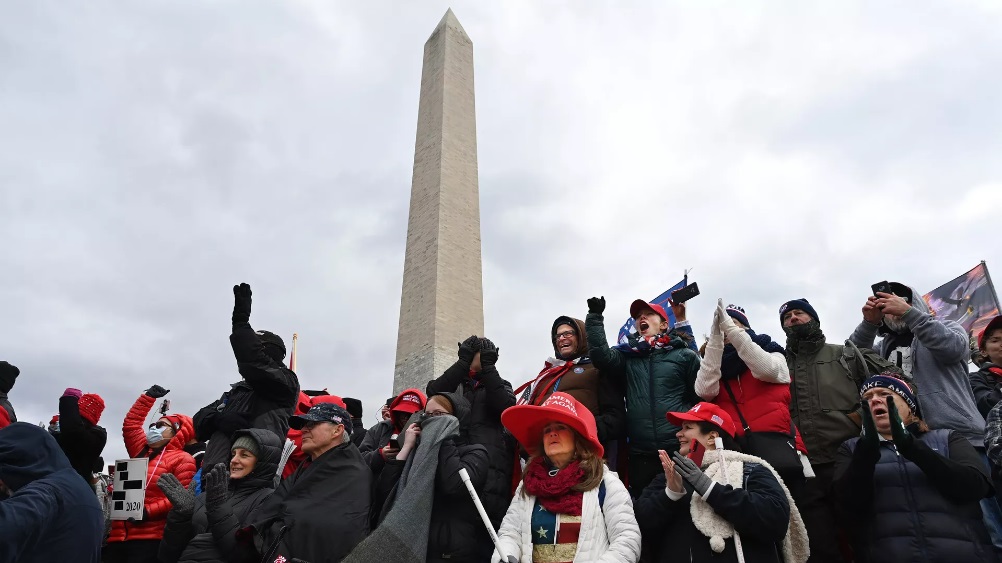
991 285
292 357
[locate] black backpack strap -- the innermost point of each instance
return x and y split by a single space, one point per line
727 387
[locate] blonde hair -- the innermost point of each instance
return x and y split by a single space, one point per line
592 465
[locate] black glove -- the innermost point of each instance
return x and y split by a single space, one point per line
216 484
903 439
688 470
182 499
596 305
488 353
157 391
869 438
241 303
469 348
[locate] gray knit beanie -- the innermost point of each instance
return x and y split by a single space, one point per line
247 443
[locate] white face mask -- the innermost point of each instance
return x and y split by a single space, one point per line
154 435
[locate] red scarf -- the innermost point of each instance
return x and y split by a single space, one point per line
555 493
531 391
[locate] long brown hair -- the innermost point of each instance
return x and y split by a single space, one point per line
592 465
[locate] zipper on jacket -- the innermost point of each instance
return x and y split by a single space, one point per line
654 411
912 508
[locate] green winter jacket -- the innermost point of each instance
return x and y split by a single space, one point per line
657 382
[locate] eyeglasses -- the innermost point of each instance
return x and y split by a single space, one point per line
565 334
161 425
436 413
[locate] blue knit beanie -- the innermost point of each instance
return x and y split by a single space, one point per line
738 314
801 304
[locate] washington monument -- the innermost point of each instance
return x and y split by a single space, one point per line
442 299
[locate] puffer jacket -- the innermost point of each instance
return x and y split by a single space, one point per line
657 382
986 384
939 352
456 532
264 398
170 459
603 394
919 508
609 532
209 532
489 396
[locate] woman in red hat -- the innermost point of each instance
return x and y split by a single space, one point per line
712 498
569 505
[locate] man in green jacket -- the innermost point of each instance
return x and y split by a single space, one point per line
824 402
660 373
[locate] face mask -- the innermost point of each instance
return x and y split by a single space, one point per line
154 435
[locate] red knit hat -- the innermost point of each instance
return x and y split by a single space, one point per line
91 407
526 422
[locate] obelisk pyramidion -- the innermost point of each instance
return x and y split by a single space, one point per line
442 298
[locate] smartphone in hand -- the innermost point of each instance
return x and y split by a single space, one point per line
685 294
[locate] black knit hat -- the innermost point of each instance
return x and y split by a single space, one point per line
354 406
803 304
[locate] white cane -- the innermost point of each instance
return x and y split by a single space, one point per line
719 443
483 513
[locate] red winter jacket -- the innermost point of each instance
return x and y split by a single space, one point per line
765 405
170 459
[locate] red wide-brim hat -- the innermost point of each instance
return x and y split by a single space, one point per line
526 422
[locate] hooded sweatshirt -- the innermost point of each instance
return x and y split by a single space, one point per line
938 356
52 515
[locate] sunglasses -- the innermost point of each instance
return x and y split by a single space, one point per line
160 424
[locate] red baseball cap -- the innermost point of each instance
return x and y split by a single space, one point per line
409 401
526 422
328 399
992 325
705 412
640 304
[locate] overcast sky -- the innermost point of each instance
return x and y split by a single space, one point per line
154 154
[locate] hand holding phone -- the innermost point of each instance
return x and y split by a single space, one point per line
686 293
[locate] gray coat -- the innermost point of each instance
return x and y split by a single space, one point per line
939 354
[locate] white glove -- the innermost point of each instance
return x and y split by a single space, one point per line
726 322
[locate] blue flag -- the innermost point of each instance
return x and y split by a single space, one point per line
662 300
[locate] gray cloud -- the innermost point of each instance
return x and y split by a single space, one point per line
152 156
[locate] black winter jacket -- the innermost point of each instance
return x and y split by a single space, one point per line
923 507
489 396
987 386
264 398
318 514
358 431
209 532
759 512
375 440
456 533
81 441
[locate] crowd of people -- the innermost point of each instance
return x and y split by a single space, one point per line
656 449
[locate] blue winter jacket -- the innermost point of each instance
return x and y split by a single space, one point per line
51 515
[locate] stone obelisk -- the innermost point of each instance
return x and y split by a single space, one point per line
442 298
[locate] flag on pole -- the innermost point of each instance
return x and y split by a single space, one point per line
970 300
292 356
628 328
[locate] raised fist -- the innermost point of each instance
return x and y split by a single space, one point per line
596 305
241 303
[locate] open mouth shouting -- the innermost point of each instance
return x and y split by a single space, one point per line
643 325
